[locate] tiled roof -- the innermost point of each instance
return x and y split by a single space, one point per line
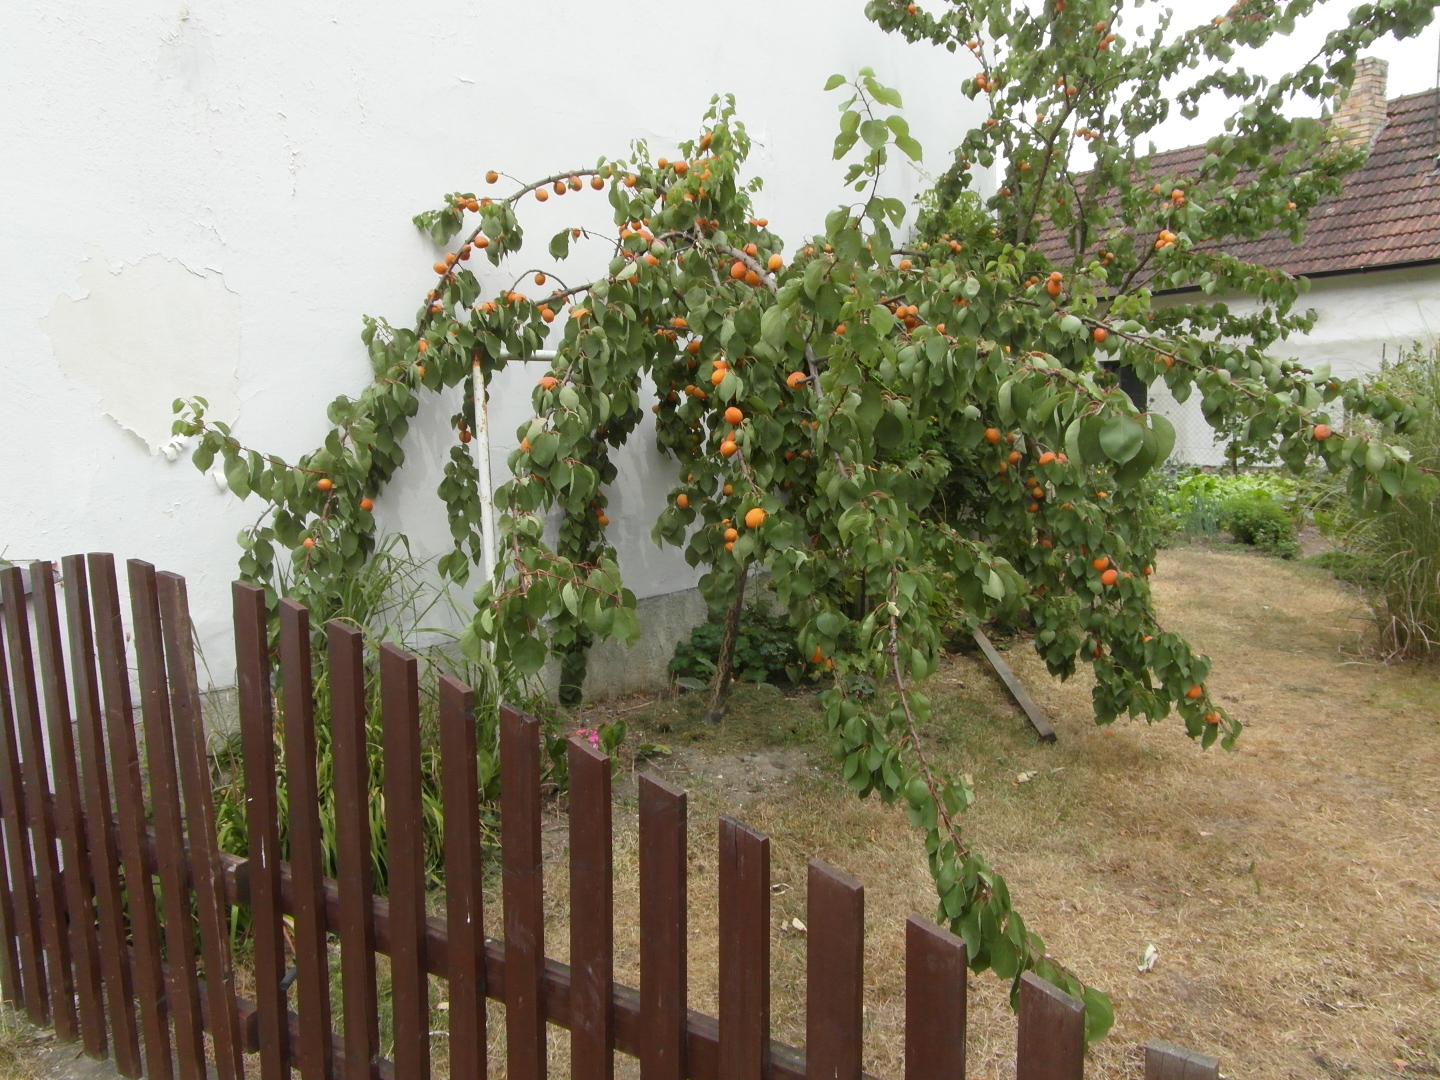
1388 212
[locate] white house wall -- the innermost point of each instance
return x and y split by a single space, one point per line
205 199
1363 318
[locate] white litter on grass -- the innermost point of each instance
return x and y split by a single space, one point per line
1148 960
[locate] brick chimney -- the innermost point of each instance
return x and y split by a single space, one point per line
1362 112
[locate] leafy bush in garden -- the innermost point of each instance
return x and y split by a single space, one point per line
764 650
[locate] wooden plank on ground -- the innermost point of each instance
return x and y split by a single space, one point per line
1023 699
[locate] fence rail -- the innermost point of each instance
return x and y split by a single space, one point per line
104 894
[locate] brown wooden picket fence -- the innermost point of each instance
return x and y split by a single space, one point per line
104 893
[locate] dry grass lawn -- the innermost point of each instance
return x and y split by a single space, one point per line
1292 887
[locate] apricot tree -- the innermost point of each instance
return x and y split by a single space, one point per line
902 434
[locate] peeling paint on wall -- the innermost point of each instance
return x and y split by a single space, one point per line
145 334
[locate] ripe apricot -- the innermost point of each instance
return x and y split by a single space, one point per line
324 483
752 278
559 187
774 263
728 489
733 416
1037 493
1014 457
1109 577
717 376
1100 563
840 330
682 500
1212 717
905 264
548 382
367 504
754 518
539 279
732 534
992 435
1194 692
309 542
422 345
1100 335
465 436
1053 288
1148 571
420 370
728 448
737 270
1047 457
729 545
492 176
1321 432
524 446
541 194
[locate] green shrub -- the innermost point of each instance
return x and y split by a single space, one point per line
1396 552
1258 519
764 650
1257 508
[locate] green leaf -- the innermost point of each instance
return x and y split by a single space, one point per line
560 244
834 81
1164 437
528 655
1099 1014
1121 438
874 133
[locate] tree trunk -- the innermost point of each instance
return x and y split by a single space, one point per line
725 663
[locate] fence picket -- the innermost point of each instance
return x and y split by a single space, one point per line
202 841
1164 1061
523 895
663 944
592 947
69 814
139 865
936 985
39 808
307 864
464 889
257 735
100 821
12 982
744 951
30 951
348 737
405 860
160 766
834 974
1050 1040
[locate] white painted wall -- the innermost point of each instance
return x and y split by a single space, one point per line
205 198
1363 318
